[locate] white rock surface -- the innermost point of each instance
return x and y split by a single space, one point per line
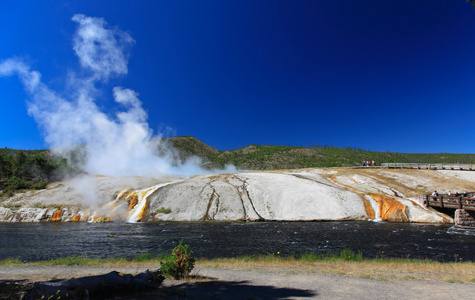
257 196
314 194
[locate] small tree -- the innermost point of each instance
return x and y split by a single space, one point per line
180 264
19 164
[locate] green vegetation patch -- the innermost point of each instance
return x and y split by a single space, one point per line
163 210
343 263
278 157
31 170
180 263
34 169
10 262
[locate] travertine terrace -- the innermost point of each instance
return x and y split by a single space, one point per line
294 195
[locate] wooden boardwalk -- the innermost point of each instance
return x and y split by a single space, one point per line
425 166
463 201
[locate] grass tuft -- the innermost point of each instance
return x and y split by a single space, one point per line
366 276
345 254
10 262
453 280
73 261
144 257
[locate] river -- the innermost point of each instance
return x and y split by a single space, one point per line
40 241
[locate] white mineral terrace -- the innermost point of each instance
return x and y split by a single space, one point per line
311 194
143 198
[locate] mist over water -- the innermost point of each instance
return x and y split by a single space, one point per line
72 122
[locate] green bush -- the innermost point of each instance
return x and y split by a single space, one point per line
16 183
163 210
179 264
40 185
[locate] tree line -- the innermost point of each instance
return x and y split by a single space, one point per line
21 169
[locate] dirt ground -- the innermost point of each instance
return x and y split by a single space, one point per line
210 283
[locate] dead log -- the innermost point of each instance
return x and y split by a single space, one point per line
92 287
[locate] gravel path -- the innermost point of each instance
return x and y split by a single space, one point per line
233 284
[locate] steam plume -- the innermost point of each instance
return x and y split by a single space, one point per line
122 144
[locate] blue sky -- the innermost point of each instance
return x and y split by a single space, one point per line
379 75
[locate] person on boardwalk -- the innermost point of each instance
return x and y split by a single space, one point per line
435 193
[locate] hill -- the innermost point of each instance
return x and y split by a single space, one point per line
268 157
188 145
33 169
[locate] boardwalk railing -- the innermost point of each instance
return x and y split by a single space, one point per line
464 201
466 167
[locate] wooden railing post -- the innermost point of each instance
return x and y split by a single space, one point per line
460 202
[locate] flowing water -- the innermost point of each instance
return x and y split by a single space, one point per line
39 241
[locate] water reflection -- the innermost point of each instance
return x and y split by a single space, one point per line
38 241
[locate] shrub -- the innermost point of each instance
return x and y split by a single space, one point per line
179 264
16 183
40 185
163 210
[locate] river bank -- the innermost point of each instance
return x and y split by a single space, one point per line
238 279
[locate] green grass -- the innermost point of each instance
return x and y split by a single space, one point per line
164 210
10 262
81 261
344 255
148 257
305 257
343 263
76 260
85 261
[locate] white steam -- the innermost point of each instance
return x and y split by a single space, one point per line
99 49
122 144
87 188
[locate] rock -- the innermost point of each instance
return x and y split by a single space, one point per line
28 214
316 194
257 196
390 209
57 216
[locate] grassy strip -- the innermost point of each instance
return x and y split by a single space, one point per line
146 259
10 262
142 259
349 264
345 263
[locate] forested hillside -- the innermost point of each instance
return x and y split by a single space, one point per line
35 169
256 157
32 169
